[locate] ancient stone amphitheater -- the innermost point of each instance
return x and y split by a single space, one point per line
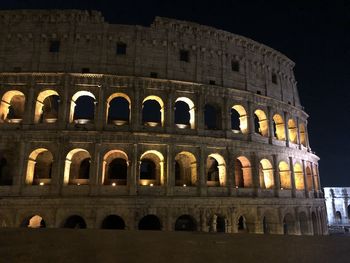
176 126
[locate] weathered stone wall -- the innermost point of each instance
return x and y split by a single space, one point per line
86 41
338 205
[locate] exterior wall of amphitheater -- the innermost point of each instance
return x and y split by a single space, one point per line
259 177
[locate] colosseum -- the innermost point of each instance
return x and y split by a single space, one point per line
175 126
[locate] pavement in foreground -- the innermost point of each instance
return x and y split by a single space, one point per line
93 245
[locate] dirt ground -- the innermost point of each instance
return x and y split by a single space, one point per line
93 245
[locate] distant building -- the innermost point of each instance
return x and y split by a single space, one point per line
338 208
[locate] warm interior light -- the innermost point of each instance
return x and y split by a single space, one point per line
41 183
236 186
184 185
151 185
281 188
78 184
113 184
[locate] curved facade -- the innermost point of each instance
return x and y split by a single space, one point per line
176 126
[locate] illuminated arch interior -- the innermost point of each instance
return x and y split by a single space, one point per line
46 107
239 121
185 169
75 97
284 173
309 178
35 221
292 131
216 170
39 167
152 168
315 172
243 172
77 167
298 177
266 174
118 109
191 111
12 106
151 104
115 168
261 123
302 132
280 133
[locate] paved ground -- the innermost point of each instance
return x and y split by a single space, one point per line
69 245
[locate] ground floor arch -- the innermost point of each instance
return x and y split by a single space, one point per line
74 221
150 222
113 222
34 221
185 223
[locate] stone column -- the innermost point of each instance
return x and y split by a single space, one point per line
298 132
276 175
270 120
170 171
136 109
255 173
95 170
169 111
286 130
291 168
133 176
100 108
200 112
28 115
63 111
306 187
250 113
202 172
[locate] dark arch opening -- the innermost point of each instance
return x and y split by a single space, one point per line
84 169
119 109
220 224
288 224
235 120
147 169
84 108
50 108
150 222
118 170
151 112
182 113
113 222
213 170
185 223
256 124
274 127
5 177
212 118
16 107
303 223
266 229
241 226
74 222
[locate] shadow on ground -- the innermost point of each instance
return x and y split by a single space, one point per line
92 245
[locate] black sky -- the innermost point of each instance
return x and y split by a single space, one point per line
314 34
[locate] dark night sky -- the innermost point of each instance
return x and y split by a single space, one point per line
313 33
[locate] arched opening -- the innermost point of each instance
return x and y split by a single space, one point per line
266 174
261 123
150 222
5 172
316 183
152 168
216 170
212 117
284 173
39 167
75 221
185 169
278 125
12 106
310 185
185 223
241 225
314 223
118 109
302 132
184 113
243 172
35 221
292 131
239 121
338 217
46 107
115 168
82 108
77 167
220 224
304 227
113 222
153 111
265 226
298 177
288 225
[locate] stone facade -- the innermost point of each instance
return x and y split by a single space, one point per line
338 208
251 169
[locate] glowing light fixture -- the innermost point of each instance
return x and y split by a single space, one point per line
41 183
113 184
151 185
184 185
